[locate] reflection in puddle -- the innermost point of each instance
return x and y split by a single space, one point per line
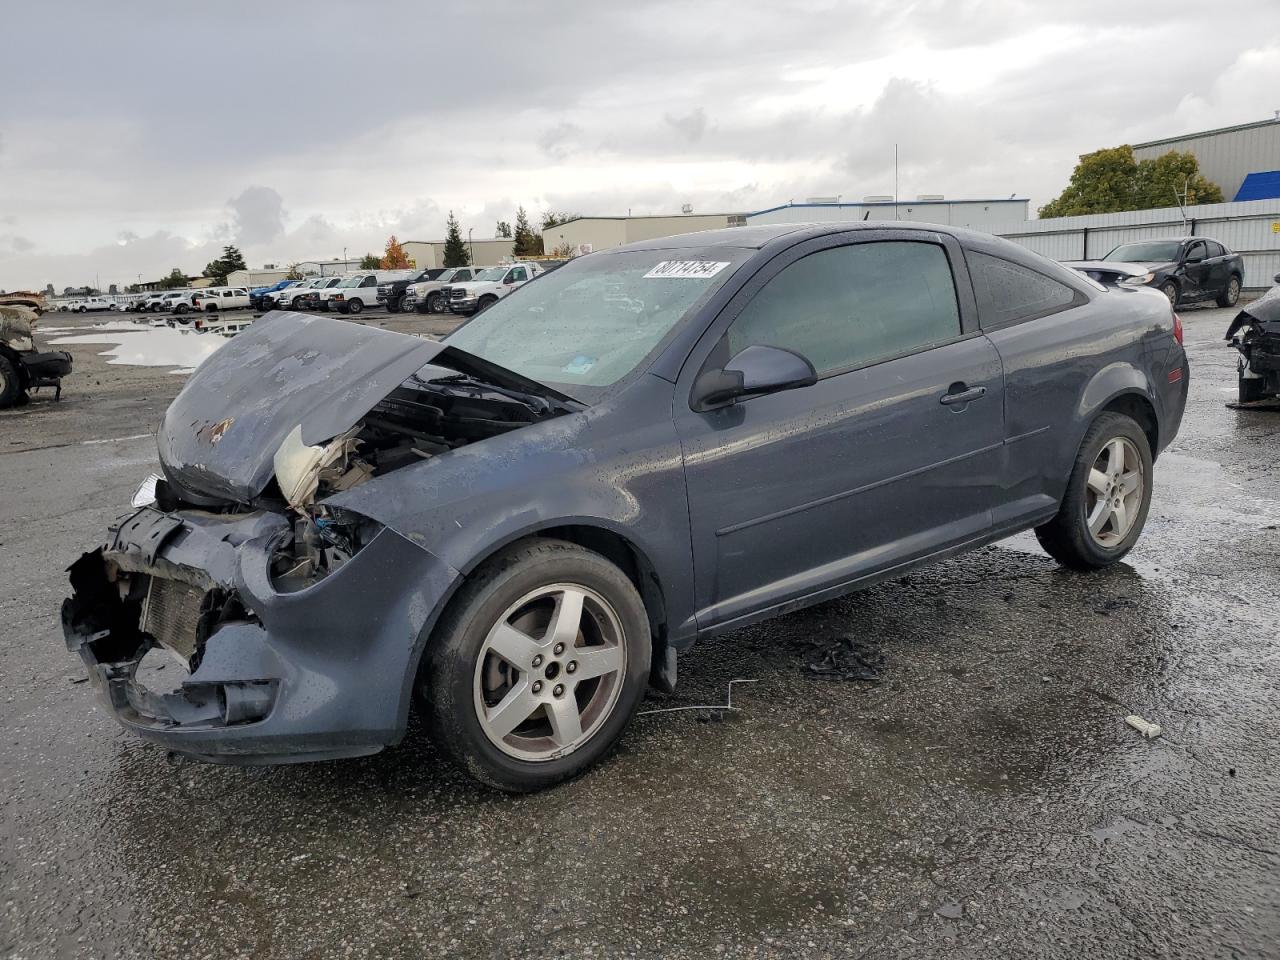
151 346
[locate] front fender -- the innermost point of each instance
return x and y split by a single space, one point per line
617 467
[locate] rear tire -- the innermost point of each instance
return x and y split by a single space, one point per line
1231 294
559 725
1099 479
10 383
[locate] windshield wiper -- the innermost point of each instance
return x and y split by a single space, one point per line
531 400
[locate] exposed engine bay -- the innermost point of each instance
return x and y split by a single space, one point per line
436 410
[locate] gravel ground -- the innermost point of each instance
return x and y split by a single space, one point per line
983 799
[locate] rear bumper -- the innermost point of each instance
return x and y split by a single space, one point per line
323 672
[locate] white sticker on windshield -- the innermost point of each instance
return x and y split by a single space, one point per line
686 269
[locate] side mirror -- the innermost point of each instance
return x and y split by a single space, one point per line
508 280
752 372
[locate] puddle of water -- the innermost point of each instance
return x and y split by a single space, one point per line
152 346
110 325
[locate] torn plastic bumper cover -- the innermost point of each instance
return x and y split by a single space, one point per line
274 676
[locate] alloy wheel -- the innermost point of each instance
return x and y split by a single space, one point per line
1113 499
550 671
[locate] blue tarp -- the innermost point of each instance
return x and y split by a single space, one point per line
1260 186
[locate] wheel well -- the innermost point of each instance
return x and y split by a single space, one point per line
1138 408
623 554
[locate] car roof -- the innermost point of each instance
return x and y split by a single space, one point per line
756 237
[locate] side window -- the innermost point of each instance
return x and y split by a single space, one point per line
1008 291
519 275
849 306
369 282
1196 251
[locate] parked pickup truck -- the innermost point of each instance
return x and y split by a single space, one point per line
391 293
220 298
315 298
488 287
290 297
425 297
89 304
1184 269
360 291
257 296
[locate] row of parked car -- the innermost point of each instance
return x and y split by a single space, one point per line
434 290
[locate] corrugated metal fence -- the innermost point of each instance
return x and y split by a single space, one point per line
1250 228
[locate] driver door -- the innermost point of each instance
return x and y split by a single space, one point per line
799 492
1195 271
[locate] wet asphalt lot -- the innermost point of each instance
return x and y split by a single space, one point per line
984 799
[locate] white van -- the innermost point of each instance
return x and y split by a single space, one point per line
360 290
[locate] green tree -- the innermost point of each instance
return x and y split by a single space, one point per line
502 229
455 251
370 261
527 243
1161 182
176 280
295 273
1112 180
553 218
217 270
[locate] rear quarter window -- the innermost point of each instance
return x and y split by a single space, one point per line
1008 292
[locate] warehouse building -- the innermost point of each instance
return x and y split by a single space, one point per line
599 233
584 234
425 254
927 208
1243 160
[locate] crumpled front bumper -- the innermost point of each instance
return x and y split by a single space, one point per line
322 672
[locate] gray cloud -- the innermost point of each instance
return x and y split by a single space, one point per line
259 216
691 126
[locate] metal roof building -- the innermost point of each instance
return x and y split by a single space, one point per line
1226 155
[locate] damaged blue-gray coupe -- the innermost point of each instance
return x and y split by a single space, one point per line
521 526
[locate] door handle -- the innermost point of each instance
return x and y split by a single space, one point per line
959 393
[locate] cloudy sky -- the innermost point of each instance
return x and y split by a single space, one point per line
138 136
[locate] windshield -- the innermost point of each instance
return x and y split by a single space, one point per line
585 327
1148 251
352 282
492 274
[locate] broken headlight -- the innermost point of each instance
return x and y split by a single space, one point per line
145 495
324 538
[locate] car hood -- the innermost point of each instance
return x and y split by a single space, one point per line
471 286
287 371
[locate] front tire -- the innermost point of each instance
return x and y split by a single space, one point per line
1230 294
354 306
485 303
10 383
433 303
1170 290
1251 389
537 666
1107 499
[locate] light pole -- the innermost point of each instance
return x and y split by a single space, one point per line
471 246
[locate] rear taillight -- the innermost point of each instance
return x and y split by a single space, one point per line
1177 328
199 324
